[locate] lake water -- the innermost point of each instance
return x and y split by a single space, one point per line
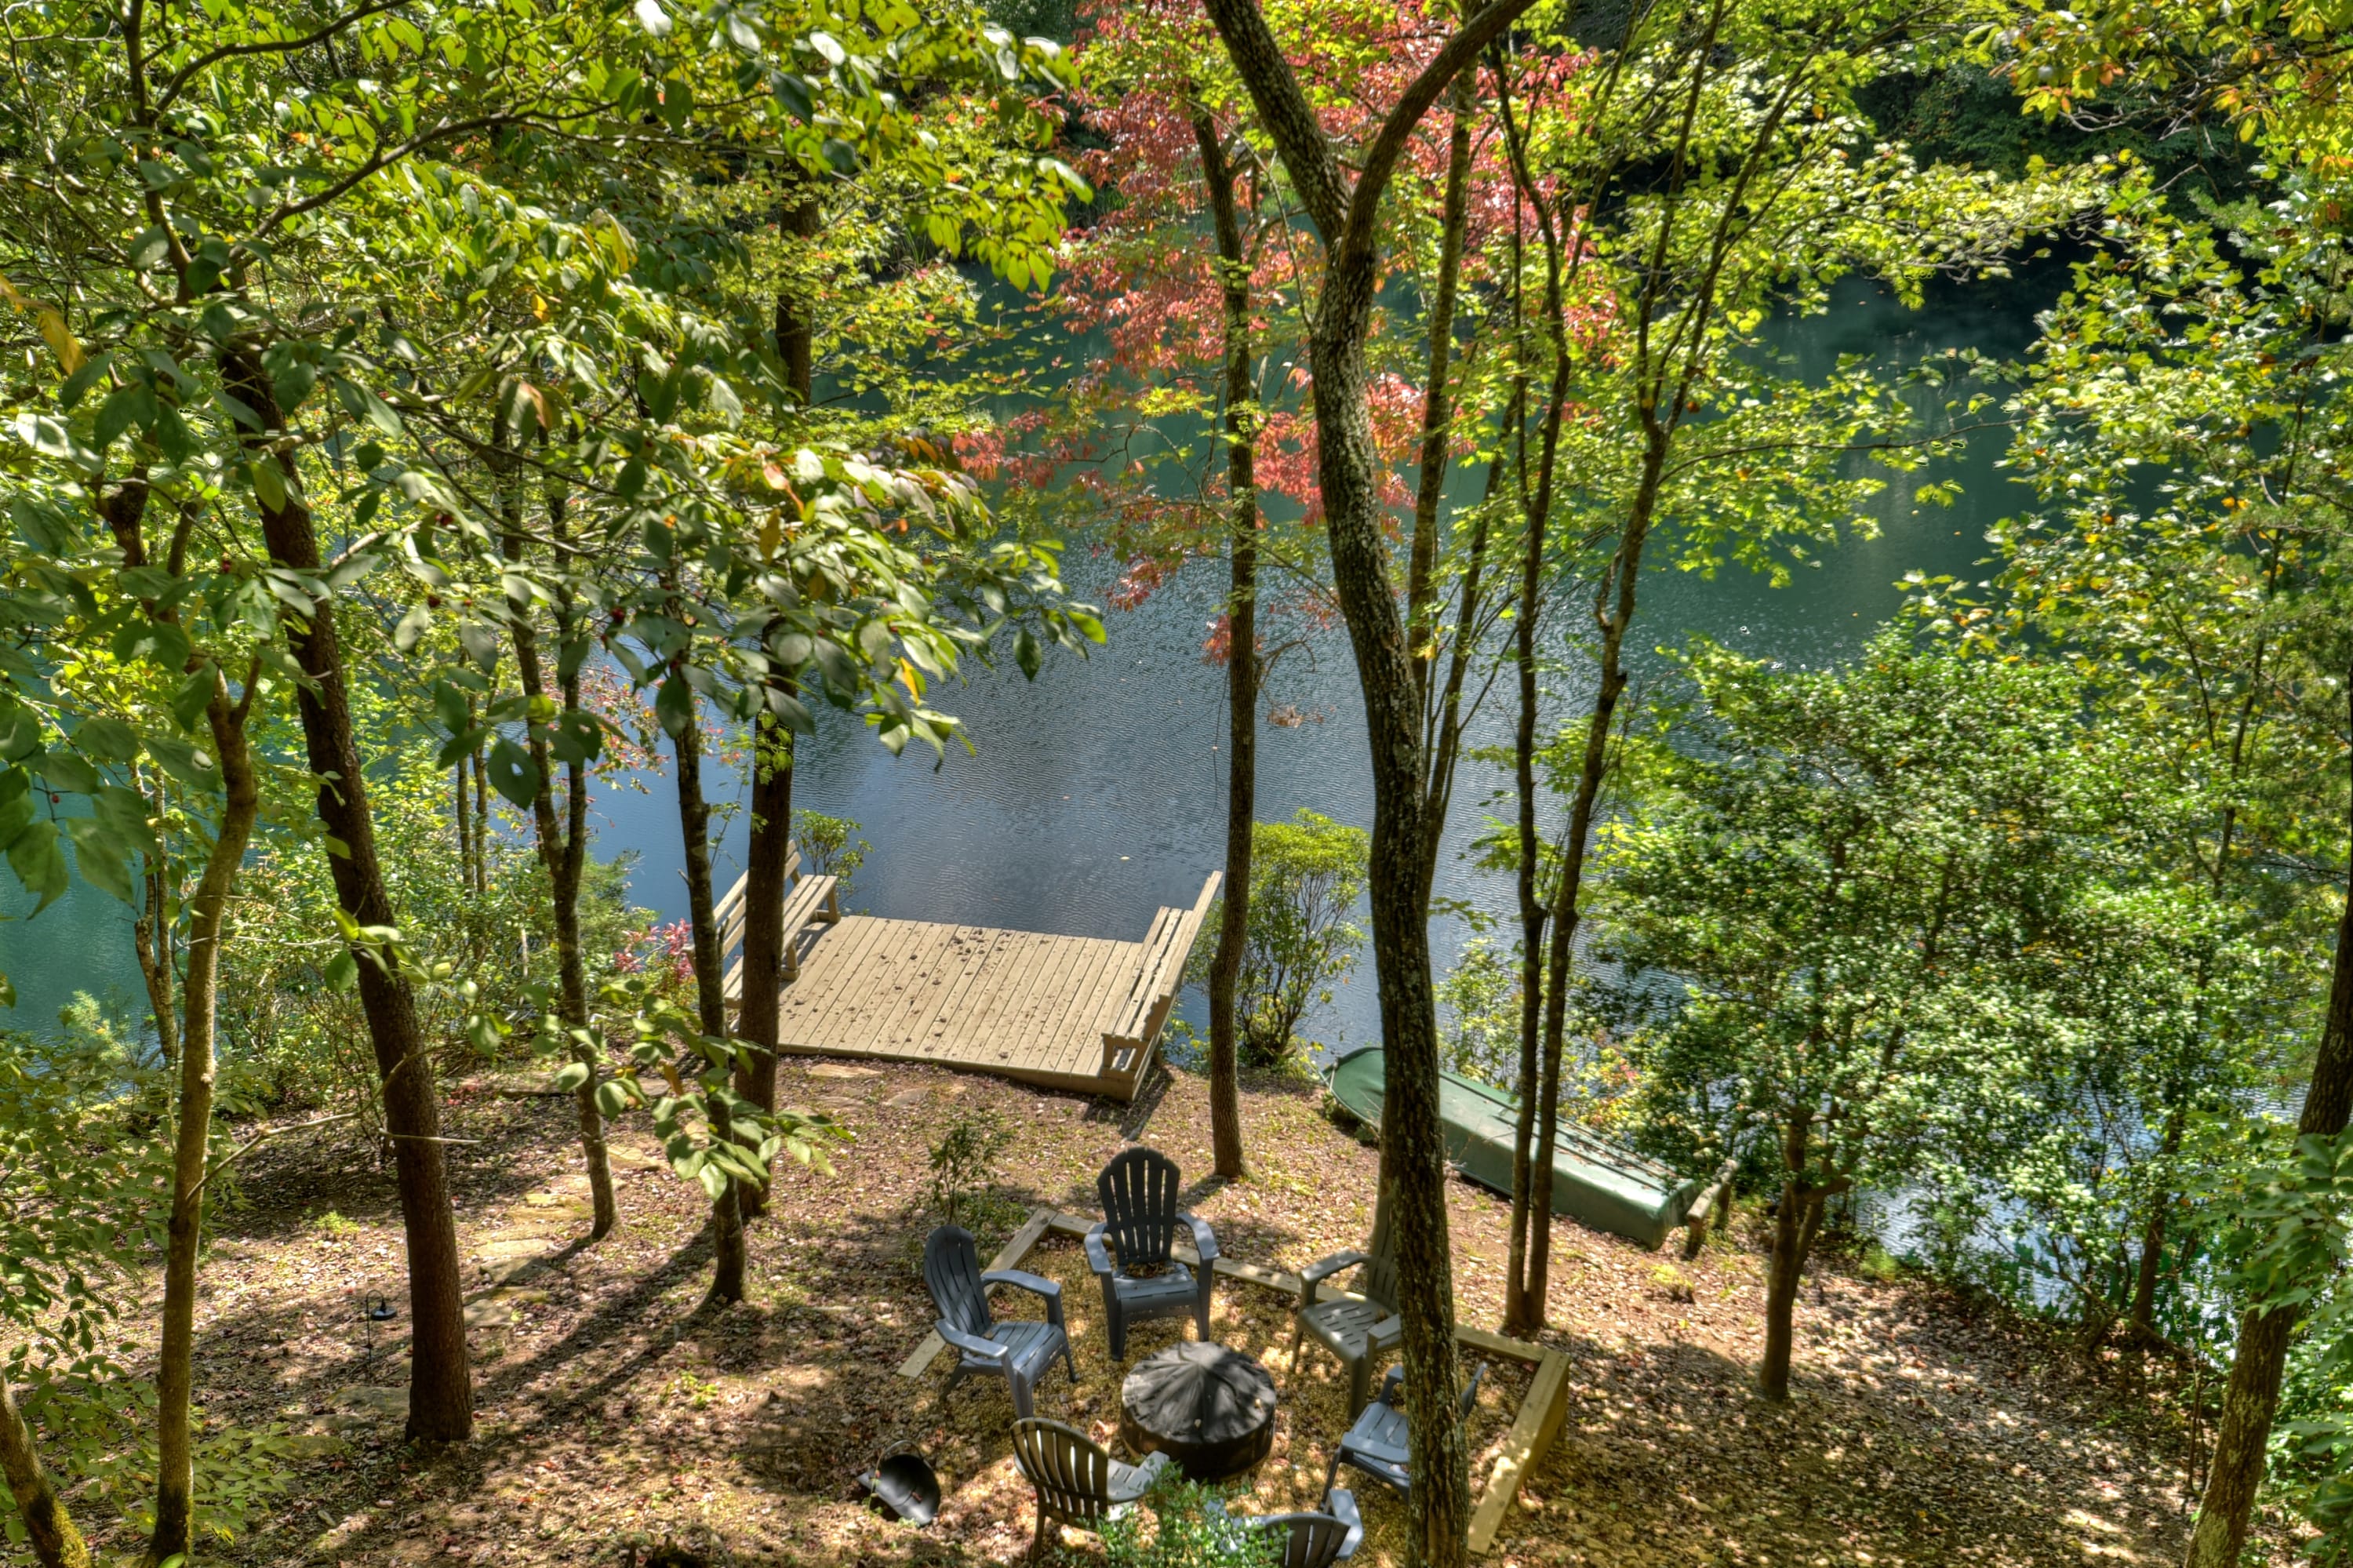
1095 793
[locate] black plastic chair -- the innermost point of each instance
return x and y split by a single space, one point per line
1360 1327
1376 1444
1138 1230
1020 1351
1075 1478
1317 1540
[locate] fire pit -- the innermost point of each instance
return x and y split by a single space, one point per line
1208 1408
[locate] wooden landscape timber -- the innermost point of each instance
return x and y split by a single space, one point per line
1533 1429
1064 1012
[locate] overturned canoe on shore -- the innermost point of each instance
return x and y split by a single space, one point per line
1596 1181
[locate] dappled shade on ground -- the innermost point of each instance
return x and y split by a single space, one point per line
614 1409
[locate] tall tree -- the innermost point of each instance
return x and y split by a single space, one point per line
1345 217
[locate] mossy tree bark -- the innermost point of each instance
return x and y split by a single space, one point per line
57 1542
207 928
1243 672
769 853
1412 1146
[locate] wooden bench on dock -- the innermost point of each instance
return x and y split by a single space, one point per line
810 900
1073 1012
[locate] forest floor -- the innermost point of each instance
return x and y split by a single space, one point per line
618 1411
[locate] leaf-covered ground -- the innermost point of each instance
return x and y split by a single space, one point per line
617 1411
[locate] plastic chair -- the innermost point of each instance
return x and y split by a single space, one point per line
1138 1230
1075 1479
1021 1352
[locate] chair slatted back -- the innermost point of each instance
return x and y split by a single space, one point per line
1072 1472
952 1269
1376 1278
1309 1540
1139 1193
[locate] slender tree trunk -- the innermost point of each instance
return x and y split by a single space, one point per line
481 821
759 1010
1242 656
441 1386
1436 413
2152 1237
207 928
1413 1148
1614 612
694 822
55 1542
466 814
2250 1399
562 854
1797 1218
151 937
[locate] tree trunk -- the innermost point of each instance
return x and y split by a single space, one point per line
55 1542
440 1387
2152 1238
1242 656
2250 1399
760 1008
1413 1150
1797 1218
207 928
562 854
711 1001
151 936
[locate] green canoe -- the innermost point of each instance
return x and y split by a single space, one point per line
1596 1181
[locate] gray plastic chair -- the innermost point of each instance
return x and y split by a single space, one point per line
1377 1444
1358 1332
1139 1193
1020 1351
1317 1540
1075 1479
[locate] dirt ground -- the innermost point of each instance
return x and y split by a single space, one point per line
616 1412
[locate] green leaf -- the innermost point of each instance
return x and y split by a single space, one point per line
68 772
124 408
101 858
713 1179
268 484
513 772
363 403
411 629
194 696
107 739
183 762
77 386
38 864
612 1098
159 642
150 250
575 737
343 971
20 733
653 18
674 705
574 1075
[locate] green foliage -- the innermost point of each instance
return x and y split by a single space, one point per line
830 847
1183 1524
1479 1015
1306 875
965 1160
687 1080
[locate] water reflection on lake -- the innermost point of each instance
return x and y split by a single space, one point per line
1095 793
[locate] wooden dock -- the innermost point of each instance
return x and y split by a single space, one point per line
1068 1013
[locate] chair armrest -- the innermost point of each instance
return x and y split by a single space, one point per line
1205 1240
1392 1386
1315 1274
1047 1290
1385 1333
1098 1255
1340 1504
1471 1390
972 1344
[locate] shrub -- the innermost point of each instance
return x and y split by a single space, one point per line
1479 1010
830 847
1306 875
1189 1528
965 1162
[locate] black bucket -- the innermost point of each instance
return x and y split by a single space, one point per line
904 1487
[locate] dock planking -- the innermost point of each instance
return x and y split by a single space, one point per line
1029 1005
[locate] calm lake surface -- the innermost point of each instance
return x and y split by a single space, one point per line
1095 793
